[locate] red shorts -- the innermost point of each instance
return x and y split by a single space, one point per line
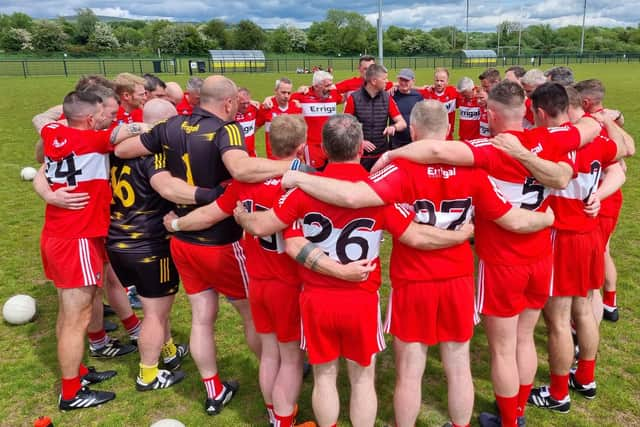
508 290
340 322
315 156
578 263
221 268
431 312
275 307
73 263
607 226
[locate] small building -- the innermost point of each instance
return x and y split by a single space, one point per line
479 58
237 60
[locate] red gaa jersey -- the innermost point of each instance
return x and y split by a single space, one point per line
345 235
568 204
249 121
495 244
528 122
447 97
266 256
347 86
134 116
184 107
316 111
484 123
81 158
269 114
469 119
442 196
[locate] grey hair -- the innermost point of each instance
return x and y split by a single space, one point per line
342 137
320 76
194 84
464 84
533 77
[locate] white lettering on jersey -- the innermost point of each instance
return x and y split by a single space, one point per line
469 113
559 129
58 144
383 173
77 168
319 109
441 172
248 127
537 149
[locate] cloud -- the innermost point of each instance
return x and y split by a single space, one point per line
483 15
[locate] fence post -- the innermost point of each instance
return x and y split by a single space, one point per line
140 65
64 64
104 68
24 69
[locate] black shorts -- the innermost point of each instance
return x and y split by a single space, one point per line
152 273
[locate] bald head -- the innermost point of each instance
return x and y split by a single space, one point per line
158 109
429 119
216 89
174 92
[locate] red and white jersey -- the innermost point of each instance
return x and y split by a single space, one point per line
484 123
495 244
469 118
346 87
81 158
528 121
316 112
266 256
448 97
250 121
568 204
274 111
442 196
123 117
185 108
346 235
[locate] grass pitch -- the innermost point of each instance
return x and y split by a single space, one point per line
30 379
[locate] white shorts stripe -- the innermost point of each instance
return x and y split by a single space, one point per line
387 322
479 293
85 262
239 253
553 247
381 344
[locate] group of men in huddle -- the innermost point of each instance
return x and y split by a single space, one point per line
529 182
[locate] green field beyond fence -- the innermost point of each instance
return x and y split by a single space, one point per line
29 383
28 67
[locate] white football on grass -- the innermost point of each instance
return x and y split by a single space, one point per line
19 309
28 173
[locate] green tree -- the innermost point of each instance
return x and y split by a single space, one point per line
85 25
16 39
342 32
216 31
48 36
181 39
541 38
102 38
128 37
248 35
20 20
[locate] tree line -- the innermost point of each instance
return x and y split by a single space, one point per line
340 33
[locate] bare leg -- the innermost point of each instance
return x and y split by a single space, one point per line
74 313
457 366
557 315
586 327
154 330
325 399
411 359
288 383
116 294
204 310
364 402
250 334
502 335
527 357
269 366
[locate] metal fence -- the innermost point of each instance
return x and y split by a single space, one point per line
76 67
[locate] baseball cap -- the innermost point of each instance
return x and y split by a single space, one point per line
406 74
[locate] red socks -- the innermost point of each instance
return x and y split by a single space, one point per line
284 420
586 371
508 409
70 387
609 298
523 396
559 388
98 339
213 385
132 325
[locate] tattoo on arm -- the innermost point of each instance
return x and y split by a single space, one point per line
305 252
114 134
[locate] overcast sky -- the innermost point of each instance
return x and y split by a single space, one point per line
483 15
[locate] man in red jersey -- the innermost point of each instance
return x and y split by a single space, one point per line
488 79
469 108
522 261
249 119
375 109
132 94
441 91
72 242
592 94
206 149
529 82
576 236
191 97
346 87
274 283
281 103
441 196
340 318
318 104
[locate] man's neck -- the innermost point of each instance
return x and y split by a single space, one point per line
515 126
217 111
127 107
371 90
558 121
